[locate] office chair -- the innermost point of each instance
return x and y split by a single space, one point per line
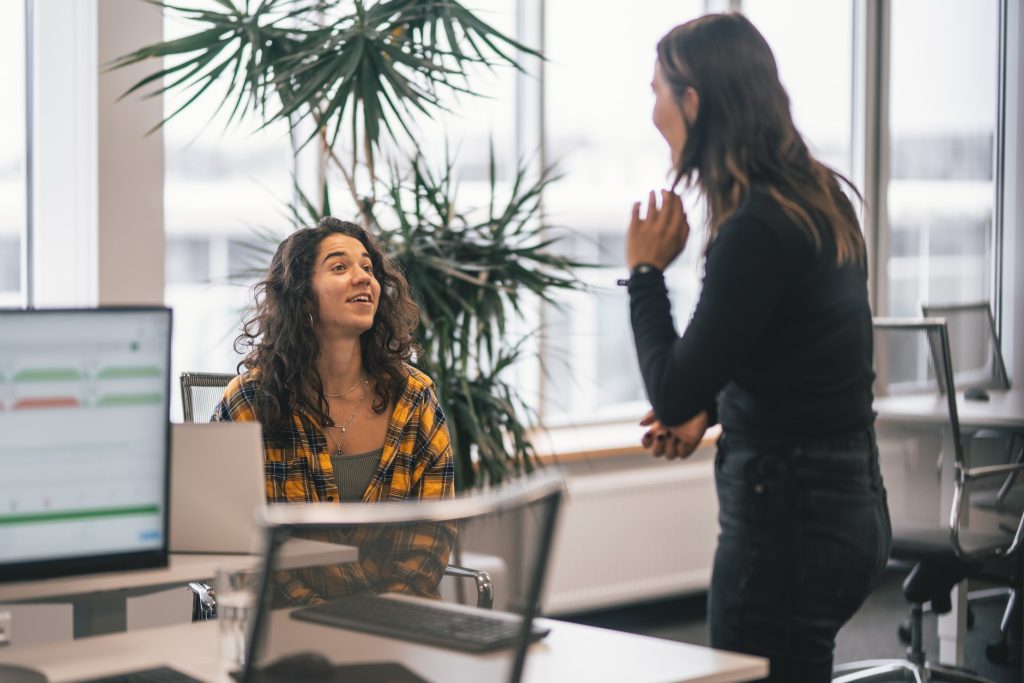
975 353
943 557
977 360
200 394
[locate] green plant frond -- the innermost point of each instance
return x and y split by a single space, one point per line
458 24
203 40
189 101
161 75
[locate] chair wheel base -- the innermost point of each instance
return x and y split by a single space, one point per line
901 669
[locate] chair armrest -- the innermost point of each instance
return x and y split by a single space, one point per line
965 475
204 606
484 587
973 473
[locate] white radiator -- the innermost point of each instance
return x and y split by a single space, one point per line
633 535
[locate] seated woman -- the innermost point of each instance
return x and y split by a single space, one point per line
344 417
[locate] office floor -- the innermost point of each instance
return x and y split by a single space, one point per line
871 634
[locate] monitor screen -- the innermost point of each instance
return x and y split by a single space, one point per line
83 440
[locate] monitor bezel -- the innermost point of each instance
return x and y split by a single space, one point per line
107 562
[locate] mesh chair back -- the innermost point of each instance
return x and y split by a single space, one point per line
918 420
913 368
974 345
200 394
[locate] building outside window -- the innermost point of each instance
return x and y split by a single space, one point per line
941 190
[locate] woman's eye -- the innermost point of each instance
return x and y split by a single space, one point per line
338 267
368 269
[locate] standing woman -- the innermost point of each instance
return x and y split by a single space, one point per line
344 417
779 350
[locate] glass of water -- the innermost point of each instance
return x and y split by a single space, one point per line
235 592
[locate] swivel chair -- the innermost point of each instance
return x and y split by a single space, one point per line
943 556
977 361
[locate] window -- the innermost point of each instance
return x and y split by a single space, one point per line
226 184
600 137
935 243
13 198
588 348
816 68
222 185
941 193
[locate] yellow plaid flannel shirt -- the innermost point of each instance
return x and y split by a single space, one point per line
416 464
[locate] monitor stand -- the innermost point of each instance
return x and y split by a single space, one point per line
12 673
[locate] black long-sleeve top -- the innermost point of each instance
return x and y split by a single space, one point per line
781 335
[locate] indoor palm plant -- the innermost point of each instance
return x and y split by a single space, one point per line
350 77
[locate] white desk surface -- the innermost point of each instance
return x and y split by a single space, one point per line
181 569
1003 410
571 652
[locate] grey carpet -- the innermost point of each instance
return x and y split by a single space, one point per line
871 634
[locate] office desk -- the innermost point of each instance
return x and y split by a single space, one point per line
99 600
1004 411
569 653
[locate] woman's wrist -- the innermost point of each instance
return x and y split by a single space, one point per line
644 268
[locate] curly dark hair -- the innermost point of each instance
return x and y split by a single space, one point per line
279 339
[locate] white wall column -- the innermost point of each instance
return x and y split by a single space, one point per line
130 163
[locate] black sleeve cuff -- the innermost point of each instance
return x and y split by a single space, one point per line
646 281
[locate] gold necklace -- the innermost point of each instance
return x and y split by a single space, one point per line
346 392
344 429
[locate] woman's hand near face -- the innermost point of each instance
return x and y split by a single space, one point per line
661 235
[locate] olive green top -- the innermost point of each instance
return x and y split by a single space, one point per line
352 473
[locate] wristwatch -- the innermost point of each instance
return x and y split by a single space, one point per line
638 269
643 269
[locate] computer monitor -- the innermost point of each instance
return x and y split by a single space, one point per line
84 434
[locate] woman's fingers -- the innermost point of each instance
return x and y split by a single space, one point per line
660 235
670 206
660 441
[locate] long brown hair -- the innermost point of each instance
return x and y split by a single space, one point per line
280 333
744 133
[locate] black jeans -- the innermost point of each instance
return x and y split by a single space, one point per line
804 536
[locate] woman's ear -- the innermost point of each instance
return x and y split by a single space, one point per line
691 106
